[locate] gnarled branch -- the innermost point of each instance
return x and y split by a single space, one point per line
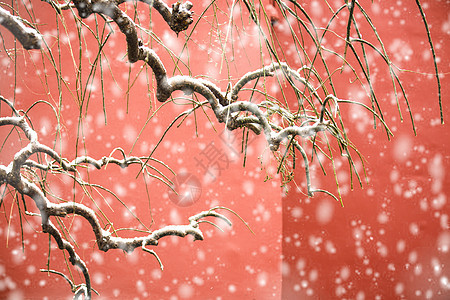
105 241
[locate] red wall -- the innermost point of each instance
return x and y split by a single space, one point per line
391 239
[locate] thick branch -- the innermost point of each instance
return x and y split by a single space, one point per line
28 37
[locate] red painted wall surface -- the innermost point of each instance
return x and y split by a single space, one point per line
391 240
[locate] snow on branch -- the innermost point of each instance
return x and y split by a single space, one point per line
28 37
11 175
224 105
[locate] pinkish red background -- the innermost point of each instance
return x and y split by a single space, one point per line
391 239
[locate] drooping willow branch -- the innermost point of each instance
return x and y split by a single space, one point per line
433 52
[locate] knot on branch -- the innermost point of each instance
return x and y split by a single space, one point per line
31 40
103 242
181 16
84 8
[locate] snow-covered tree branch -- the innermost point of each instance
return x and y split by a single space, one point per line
287 132
12 175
